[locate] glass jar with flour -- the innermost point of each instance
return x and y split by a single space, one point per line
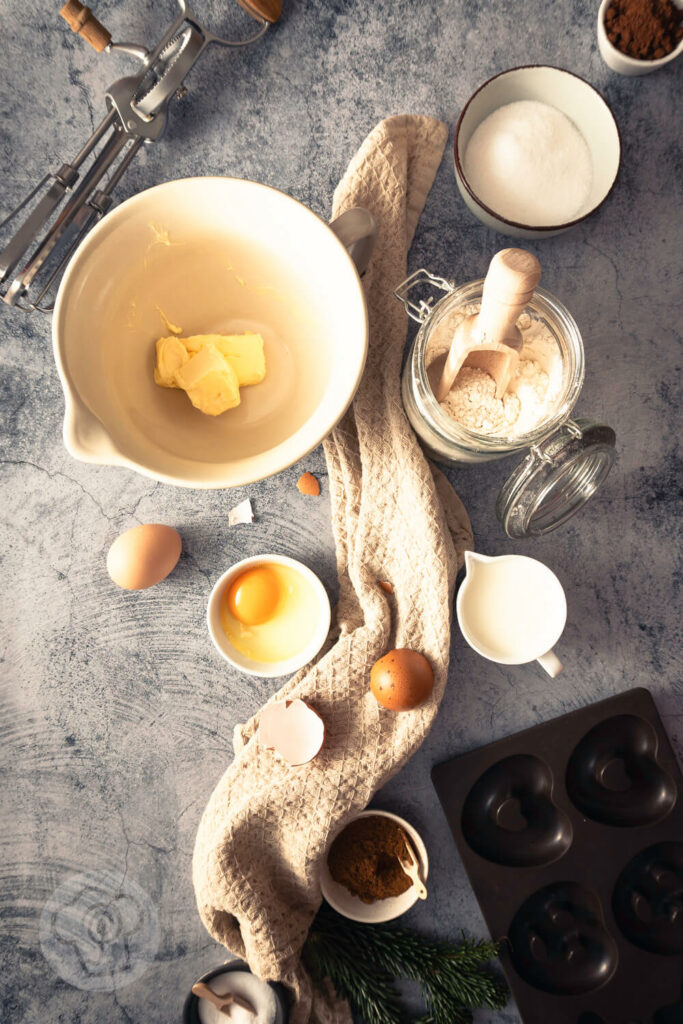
566 460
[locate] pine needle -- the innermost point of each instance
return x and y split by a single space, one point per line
362 961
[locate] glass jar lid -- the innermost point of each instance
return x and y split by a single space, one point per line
556 479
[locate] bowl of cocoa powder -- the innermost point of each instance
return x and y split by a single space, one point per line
361 877
636 37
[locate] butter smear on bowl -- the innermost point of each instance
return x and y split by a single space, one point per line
210 368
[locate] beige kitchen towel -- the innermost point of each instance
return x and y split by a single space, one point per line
395 519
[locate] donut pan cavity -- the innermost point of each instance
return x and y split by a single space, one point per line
572 837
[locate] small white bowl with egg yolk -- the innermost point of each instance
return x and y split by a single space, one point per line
268 615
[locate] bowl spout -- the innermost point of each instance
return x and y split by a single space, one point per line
86 439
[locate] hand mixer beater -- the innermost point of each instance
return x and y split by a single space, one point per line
74 197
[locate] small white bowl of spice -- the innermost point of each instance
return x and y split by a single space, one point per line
361 876
636 37
537 150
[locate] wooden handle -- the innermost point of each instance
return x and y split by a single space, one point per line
203 991
266 10
511 281
83 22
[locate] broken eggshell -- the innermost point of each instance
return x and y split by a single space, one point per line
242 513
292 729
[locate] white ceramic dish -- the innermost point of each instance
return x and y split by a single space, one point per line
215 255
621 62
267 669
345 903
569 94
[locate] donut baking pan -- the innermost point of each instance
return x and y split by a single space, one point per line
572 837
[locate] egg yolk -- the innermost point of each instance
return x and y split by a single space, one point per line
254 596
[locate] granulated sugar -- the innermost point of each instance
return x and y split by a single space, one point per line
533 393
530 164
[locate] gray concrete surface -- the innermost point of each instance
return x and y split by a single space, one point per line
116 713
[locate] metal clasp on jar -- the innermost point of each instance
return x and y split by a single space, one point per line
423 308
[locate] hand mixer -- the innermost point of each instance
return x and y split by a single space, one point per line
39 250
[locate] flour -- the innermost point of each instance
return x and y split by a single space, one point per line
532 395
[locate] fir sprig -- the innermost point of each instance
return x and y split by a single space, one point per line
363 961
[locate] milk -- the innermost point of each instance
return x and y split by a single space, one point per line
512 609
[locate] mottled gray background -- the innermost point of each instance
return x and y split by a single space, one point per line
116 713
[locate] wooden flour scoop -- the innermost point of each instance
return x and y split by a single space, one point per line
490 340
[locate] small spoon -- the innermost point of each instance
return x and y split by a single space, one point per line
411 867
490 340
222 1003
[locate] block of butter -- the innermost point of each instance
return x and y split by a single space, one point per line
244 352
210 381
211 368
171 356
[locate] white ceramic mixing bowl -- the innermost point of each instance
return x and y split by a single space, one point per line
213 255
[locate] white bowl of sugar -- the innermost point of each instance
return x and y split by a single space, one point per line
537 150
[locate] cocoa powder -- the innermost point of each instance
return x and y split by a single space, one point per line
364 859
644 29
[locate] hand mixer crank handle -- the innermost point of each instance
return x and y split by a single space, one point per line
83 22
263 10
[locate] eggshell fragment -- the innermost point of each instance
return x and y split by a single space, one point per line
293 729
308 484
401 680
242 513
143 556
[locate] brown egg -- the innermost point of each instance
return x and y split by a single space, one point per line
401 680
143 556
